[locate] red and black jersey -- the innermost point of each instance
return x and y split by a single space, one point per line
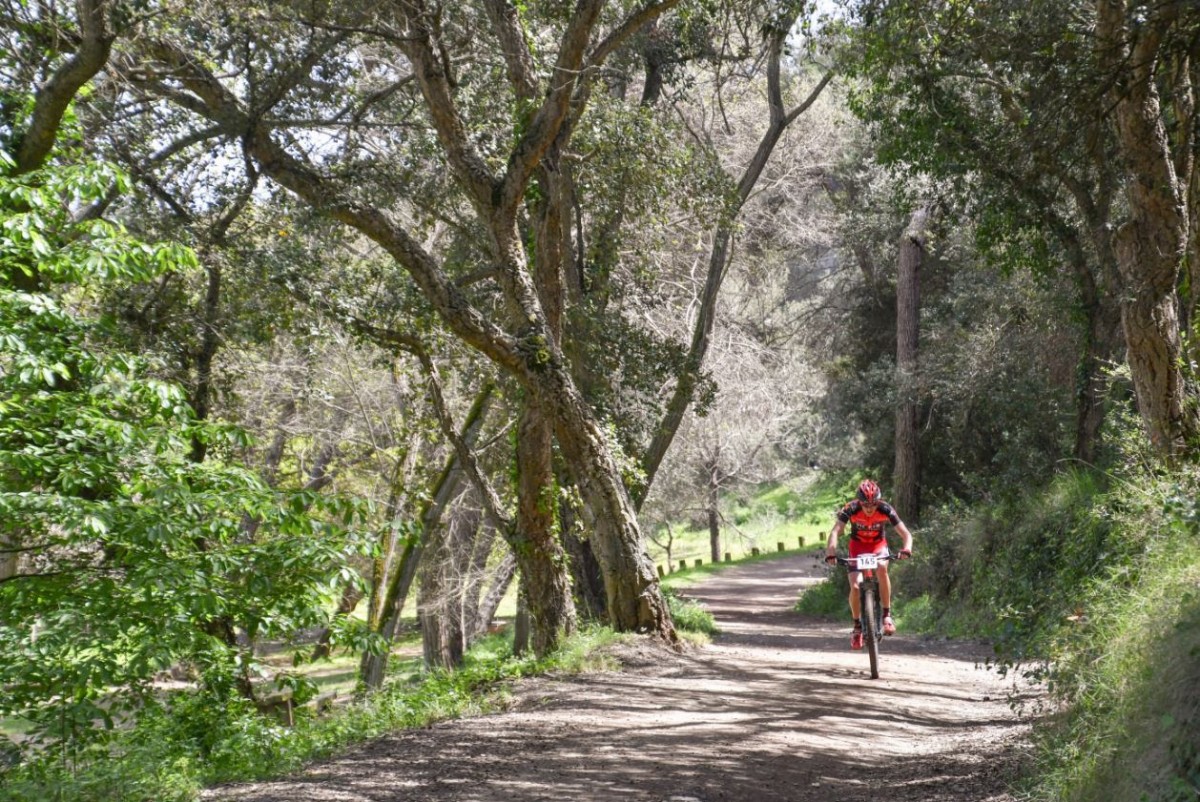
867 528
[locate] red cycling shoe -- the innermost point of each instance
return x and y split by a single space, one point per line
856 639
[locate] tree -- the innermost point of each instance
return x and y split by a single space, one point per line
131 555
907 471
778 27
1134 49
743 438
520 333
1008 102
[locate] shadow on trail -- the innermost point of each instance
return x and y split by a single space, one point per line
777 708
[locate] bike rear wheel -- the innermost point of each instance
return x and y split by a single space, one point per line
871 632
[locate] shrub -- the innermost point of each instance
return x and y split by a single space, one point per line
690 615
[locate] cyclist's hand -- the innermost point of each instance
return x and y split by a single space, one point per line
831 558
905 554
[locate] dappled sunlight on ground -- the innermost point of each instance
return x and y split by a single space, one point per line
777 708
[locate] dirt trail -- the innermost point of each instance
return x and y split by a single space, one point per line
777 708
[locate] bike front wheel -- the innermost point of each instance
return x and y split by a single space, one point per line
870 622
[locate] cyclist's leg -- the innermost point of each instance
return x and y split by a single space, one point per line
856 637
885 600
854 549
855 604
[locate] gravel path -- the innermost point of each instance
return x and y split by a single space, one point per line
777 708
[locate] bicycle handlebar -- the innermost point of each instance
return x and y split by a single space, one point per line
852 562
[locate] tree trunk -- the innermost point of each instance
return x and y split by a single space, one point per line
714 512
539 553
906 477
1150 246
1103 343
373 666
590 598
634 599
351 595
477 578
444 577
499 584
521 624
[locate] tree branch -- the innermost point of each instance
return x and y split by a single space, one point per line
545 125
631 25
434 80
53 97
522 72
466 320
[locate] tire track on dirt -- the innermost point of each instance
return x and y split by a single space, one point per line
776 708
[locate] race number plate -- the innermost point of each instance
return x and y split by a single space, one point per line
868 562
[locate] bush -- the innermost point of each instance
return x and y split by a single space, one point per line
175 748
1091 586
689 615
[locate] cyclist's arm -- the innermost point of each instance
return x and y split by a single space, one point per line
904 533
831 544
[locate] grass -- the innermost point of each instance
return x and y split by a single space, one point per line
177 749
1134 731
798 514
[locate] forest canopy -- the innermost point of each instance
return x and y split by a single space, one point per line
323 320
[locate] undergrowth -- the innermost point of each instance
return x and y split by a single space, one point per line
189 741
689 615
1091 587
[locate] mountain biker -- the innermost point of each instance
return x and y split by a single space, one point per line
868 515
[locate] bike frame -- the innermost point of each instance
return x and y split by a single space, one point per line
869 603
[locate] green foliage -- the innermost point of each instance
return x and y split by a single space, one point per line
1090 586
1020 564
827 599
689 615
190 740
994 415
130 557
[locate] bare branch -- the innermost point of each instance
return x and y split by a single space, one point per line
545 125
53 97
434 79
466 457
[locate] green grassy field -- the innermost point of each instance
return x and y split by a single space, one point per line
798 514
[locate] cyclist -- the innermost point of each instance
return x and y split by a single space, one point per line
868 515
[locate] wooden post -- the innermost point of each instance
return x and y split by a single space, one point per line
754 551
801 540
780 545
728 557
279 705
698 563
660 571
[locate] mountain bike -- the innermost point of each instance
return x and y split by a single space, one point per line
869 602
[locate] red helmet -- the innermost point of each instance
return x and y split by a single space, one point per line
868 491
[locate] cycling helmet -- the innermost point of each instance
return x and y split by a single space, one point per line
868 491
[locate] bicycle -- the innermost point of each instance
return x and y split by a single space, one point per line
869 603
